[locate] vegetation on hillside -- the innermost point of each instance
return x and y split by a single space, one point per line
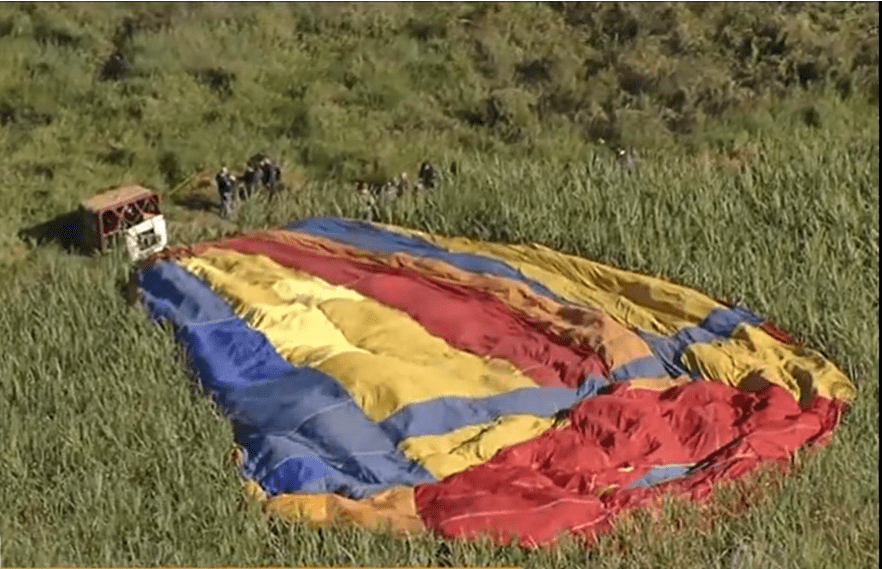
91 94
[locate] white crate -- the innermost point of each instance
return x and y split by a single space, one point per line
146 238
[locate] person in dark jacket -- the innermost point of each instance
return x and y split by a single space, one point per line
276 178
249 179
225 186
270 174
428 175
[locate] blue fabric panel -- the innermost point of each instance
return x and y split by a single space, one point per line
315 457
279 462
299 427
295 473
591 386
649 366
446 414
723 322
659 474
374 238
171 293
718 325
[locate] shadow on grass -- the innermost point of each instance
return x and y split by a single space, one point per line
196 202
63 230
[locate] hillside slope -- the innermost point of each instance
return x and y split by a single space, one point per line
91 95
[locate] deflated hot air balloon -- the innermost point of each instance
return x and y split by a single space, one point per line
391 377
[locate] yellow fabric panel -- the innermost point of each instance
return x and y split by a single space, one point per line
750 353
283 306
453 452
392 509
640 301
354 339
386 331
381 384
585 326
657 384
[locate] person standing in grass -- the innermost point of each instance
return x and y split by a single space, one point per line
627 158
270 175
368 200
428 175
225 185
276 179
402 185
249 178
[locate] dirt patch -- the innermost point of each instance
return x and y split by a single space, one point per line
12 253
734 160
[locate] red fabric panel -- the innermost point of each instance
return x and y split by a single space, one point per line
556 483
466 318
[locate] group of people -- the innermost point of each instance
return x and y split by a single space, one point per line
259 172
427 180
263 172
375 192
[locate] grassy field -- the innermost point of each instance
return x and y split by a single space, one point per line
757 127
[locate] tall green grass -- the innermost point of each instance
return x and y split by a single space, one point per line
112 458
